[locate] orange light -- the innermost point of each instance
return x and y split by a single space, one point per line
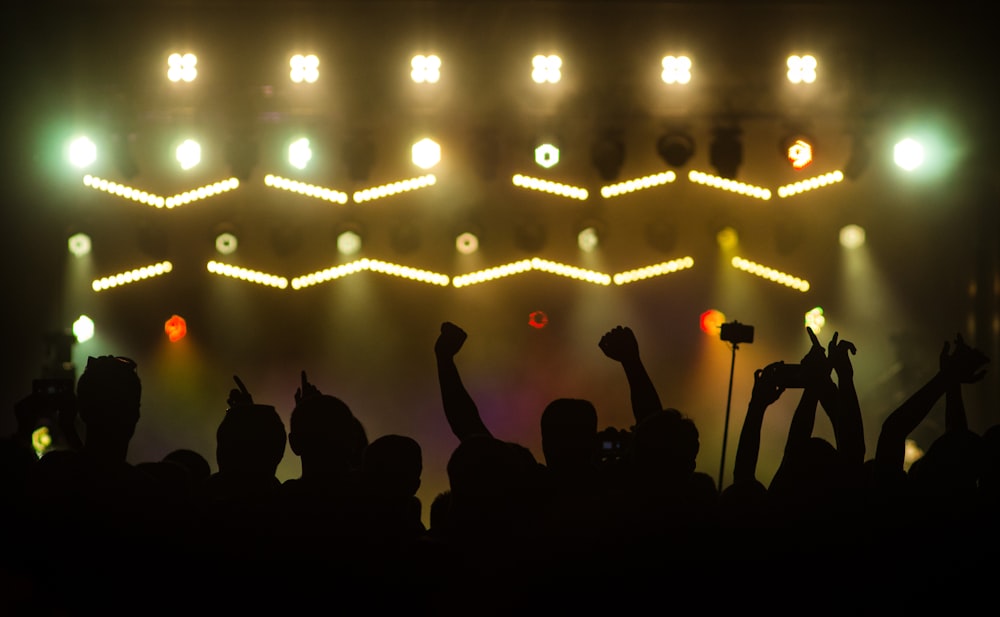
176 328
800 154
711 321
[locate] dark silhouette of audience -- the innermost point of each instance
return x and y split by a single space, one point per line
91 532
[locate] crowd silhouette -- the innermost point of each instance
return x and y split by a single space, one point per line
584 530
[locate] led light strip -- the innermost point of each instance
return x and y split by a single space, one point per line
770 274
547 186
394 188
810 184
131 276
371 265
525 265
303 188
725 184
639 274
245 274
637 184
157 201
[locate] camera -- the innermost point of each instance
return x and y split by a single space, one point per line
736 333
788 375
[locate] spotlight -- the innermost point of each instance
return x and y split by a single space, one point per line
676 70
852 236
801 69
727 238
79 244
608 155
467 243
547 156
798 149
814 319
675 148
426 153
188 154
83 329
588 239
82 152
546 69
908 154
299 153
425 69
176 328
304 68
711 321
182 67
726 152
226 243
348 238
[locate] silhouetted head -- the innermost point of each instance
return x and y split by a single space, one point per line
108 397
325 432
951 464
666 444
569 433
196 464
250 439
392 465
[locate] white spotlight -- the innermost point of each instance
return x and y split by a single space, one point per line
299 153
588 239
426 153
188 154
83 329
304 68
79 244
348 243
467 243
226 243
82 152
908 154
852 236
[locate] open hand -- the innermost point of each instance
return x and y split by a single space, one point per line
964 364
839 353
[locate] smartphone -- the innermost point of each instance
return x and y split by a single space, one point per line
789 375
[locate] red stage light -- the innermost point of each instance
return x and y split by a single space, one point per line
538 319
176 328
711 321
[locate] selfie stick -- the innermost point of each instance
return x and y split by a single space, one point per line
725 430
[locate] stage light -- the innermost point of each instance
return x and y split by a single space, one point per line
733 186
123 191
815 320
547 186
82 152
801 69
647 272
528 265
79 244
304 188
852 236
811 184
608 155
911 453
546 69
299 153
245 274
727 238
467 243
394 188
676 70
711 322
304 68
83 329
176 328
588 239
675 148
799 153
538 319
226 243
41 441
637 184
425 69
182 67
131 276
370 265
908 154
726 152
348 242
426 153
770 274
547 156
188 154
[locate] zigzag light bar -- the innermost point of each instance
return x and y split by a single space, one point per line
639 274
526 265
725 184
151 199
303 188
371 265
394 188
131 276
810 184
637 184
770 274
547 186
245 274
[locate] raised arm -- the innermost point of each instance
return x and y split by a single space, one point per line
954 406
816 385
765 393
459 408
619 344
851 433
